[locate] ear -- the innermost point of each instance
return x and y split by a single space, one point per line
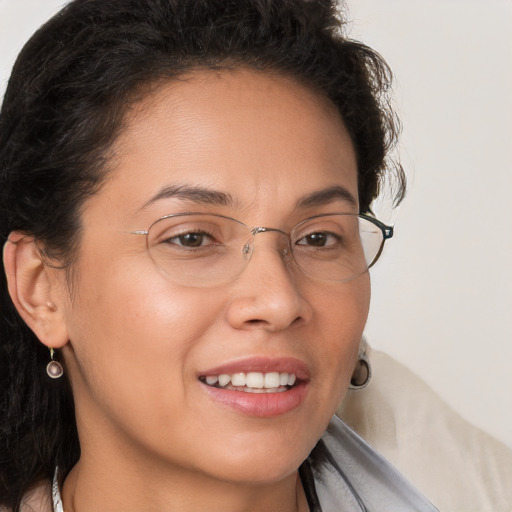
31 287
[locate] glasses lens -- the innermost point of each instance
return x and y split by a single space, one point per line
198 249
372 240
336 247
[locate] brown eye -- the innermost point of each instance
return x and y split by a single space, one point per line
318 239
190 240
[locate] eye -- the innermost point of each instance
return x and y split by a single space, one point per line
191 239
319 239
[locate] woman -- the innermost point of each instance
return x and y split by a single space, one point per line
186 278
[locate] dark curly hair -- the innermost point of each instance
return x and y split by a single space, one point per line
69 90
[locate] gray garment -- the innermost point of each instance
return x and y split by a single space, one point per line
353 478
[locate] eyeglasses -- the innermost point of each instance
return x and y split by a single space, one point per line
204 249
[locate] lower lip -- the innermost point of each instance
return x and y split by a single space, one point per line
262 405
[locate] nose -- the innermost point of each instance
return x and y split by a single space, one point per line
266 295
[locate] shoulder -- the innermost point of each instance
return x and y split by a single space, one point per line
456 465
354 473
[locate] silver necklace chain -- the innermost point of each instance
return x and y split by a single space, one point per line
57 500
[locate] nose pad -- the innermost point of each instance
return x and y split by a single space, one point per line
283 248
286 255
284 251
248 249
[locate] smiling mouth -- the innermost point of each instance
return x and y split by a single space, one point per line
252 382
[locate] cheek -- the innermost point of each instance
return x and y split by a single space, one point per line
346 306
341 318
133 304
342 309
132 334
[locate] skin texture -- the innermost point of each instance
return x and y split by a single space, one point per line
152 438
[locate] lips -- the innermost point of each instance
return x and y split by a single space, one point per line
258 386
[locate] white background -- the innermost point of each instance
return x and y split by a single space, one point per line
442 292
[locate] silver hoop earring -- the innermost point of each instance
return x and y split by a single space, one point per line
54 368
362 374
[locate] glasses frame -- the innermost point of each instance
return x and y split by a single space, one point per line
387 231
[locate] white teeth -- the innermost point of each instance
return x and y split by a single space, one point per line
254 382
238 379
224 379
272 380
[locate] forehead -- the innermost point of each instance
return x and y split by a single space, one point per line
254 135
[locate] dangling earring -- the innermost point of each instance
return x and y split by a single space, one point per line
362 373
54 368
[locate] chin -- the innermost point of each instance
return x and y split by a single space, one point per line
262 461
256 473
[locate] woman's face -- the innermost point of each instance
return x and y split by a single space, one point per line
260 148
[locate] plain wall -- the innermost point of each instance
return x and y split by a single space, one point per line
442 292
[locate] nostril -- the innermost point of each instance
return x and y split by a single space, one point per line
296 321
256 322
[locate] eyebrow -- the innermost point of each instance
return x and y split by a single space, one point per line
326 196
198 195
208 196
